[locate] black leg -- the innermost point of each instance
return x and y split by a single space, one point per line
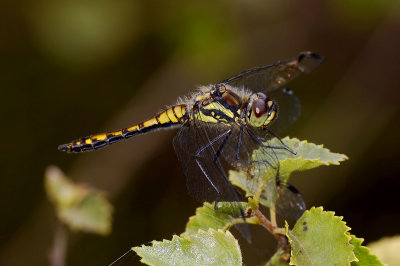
277 167
280 140
221 147
218 165
196 157
259 142
239 144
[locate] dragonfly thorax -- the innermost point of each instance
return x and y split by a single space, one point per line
219 104
262 110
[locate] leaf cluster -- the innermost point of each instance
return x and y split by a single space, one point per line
318 237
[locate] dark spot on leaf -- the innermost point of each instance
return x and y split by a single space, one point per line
305 228
304 223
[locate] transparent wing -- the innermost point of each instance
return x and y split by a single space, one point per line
266 177
289 109
199 146
207 151
290 203
271 77
196 145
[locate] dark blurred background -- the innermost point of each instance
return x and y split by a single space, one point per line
72 68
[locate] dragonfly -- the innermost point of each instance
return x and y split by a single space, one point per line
221 125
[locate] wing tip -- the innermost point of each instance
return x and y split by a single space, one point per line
310 54
309 60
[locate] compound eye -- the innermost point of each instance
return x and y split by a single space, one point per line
259 107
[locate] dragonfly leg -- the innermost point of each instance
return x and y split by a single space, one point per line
259 142
244 230
209 180
218 165
221 147
231 187
277 167
265 161
196 157
239 144
225 136
280 140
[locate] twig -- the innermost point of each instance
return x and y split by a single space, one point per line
265 222
274 230
58 251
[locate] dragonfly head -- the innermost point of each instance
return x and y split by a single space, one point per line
262 110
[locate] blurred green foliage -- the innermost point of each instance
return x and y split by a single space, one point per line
78 206
85 33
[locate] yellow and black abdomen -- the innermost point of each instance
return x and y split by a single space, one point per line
173 116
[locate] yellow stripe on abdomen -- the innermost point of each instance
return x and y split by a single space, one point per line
172 116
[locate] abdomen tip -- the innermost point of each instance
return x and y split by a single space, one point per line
63 147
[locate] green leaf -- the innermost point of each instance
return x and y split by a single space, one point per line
307 156
78 206
204 248
320 238
363 254
226 215
387 249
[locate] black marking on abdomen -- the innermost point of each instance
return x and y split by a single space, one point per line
127 134
99 144
112 139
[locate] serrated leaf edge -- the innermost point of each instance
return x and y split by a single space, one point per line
346 232
364 247
302 142
177 237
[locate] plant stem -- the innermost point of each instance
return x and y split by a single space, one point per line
265 222
57 254
274 230
272 214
